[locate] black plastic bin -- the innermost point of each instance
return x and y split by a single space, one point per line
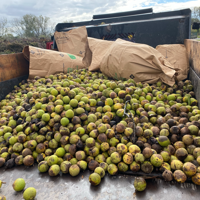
144 25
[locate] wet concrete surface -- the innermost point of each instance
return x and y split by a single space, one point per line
65 187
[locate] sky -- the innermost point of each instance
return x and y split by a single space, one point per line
83 10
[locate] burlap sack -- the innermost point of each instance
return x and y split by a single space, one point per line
138 61
74 42
98 48
43 62
177 56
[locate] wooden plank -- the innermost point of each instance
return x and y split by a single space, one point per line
13 66
193 52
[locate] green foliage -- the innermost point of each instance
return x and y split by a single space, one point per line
195 18
32 26
16 44
35 44
6 52
68 21
9 35
196 14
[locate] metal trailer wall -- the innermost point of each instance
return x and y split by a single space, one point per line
146 27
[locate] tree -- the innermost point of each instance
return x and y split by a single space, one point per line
42 26
3 27
66 21
196 12
17 27
52 29
195 15
31 26
195 18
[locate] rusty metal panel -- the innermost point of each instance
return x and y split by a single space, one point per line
13 66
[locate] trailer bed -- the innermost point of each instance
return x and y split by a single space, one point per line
116 187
